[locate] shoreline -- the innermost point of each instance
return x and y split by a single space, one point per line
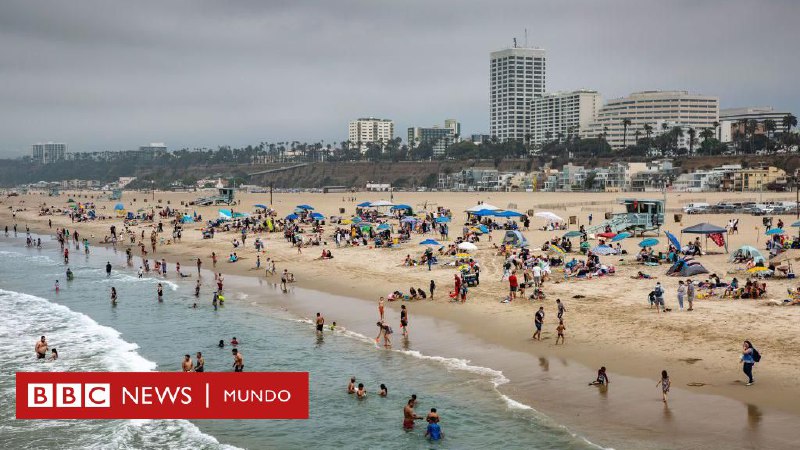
507 328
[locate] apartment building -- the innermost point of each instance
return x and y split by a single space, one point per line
370 130
559 115
516 77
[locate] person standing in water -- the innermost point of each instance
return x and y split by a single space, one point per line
160 293
187 364
201 363
238 361
538 321
41 348
108 268
320 323
57 287
197 289
409 416
380 308
199 264
404 320
113 296
665 384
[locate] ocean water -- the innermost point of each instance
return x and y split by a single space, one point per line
140 334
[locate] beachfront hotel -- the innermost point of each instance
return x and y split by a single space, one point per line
48 152
370 130
652 108
439 138
516 77
561 114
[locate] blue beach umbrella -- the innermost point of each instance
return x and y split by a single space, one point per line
604 250
317 216
364 204
399 207
442 219
621 236
260 206
484 229
119 207
292 217
508 214
774 231
649 242
429 242
483 212
572 234
383 226
306 207
673 240
225 212
356 219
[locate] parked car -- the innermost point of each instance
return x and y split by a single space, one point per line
696 208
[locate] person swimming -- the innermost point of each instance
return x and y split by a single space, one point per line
70 275
221 343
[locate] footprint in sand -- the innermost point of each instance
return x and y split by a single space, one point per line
690 360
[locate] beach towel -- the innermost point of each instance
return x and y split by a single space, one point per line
718 239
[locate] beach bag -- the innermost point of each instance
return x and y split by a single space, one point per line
756 355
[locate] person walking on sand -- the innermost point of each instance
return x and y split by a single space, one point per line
513 285
539 321
432 288
690 293
380 308
561 308
213 259
750 356
681 294
560 330
665 384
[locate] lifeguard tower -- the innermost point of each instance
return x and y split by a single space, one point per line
640 216
225 195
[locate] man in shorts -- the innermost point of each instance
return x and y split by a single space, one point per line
513 285
41 348
409 416
320 323
539 321
238 361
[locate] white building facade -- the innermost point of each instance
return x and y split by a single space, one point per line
652 108
370 130
562 114
49 152
516 77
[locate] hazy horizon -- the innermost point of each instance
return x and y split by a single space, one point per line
107 75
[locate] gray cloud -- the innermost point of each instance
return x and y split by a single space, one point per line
114 75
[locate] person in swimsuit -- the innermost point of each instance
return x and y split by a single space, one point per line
602 378
361 392
53 355
380 308
320 323
187 364
538 321
221 344
384 391
432 288
160 293
665 384
238 361
114 296
351 387
234 342
404 320
560 330
41 348
108 268
200 366
197 289
409 416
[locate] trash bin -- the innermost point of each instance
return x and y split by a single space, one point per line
678 218
573 220
341 210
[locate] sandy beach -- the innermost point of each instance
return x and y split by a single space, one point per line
608 319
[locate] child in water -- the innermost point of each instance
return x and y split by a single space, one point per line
665 384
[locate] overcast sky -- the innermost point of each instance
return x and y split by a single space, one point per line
111 75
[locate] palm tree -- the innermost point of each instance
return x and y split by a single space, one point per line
769 127
706 134
692 134
548 135
750 128
636 135
625 123
789 121
648 130
677 133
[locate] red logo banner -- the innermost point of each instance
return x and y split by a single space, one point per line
162 395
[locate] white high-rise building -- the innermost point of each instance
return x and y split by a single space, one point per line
48 152
563 114
516 77
653 108
370 130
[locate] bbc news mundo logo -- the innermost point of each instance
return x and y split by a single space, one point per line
157 395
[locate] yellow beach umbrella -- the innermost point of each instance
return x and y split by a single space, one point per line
757 269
